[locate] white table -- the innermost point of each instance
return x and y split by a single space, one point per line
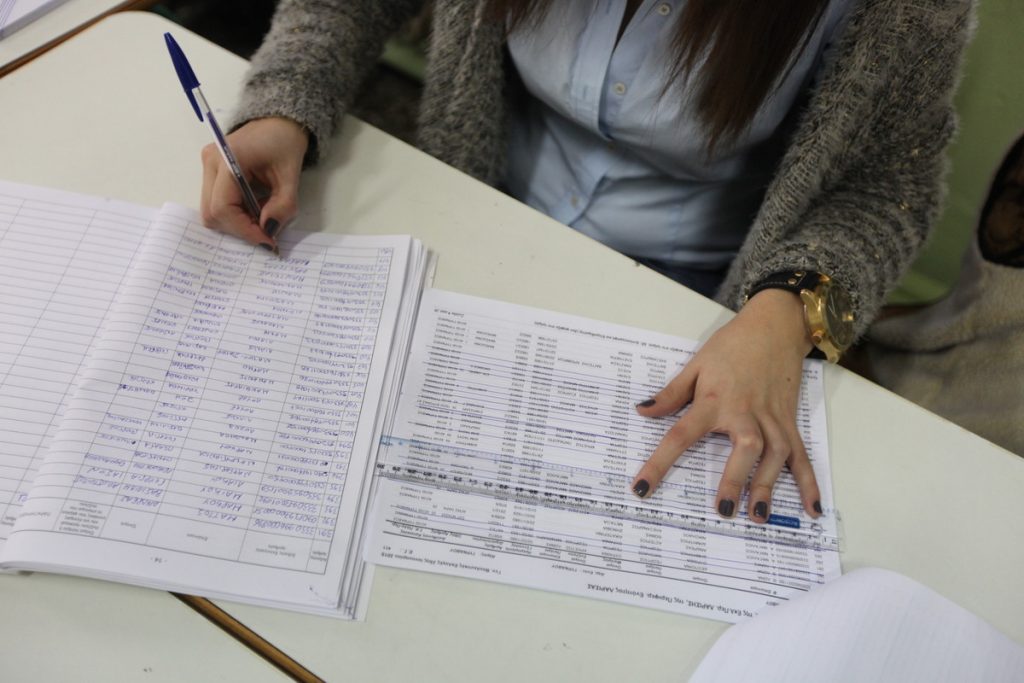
917 494
56 25
57 628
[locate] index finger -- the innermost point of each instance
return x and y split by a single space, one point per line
228 213
683 434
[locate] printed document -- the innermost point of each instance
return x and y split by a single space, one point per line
512 452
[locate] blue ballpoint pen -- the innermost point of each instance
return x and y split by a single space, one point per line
195 96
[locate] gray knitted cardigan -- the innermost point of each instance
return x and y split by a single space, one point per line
854 196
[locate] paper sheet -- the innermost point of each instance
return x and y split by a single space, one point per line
512 453
14 14
64 258
870 625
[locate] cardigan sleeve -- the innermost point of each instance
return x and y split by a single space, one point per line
877 176
315 58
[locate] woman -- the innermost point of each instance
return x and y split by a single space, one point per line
817 131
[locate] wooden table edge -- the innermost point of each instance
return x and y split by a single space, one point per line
249 638
126 6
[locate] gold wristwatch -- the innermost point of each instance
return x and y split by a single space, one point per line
828 312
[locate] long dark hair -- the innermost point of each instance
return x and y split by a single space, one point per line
1002 244
749 45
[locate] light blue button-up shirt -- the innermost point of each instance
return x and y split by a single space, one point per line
600 148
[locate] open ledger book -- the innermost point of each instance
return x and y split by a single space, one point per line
182 411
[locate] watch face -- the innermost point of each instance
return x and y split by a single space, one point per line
839 316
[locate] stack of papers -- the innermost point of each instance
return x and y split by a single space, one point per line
514 447
14 14
183 411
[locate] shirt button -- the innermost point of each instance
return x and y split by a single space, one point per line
619 88
664 9
575 201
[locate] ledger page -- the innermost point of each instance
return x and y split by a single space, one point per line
219 435
511 456
64 258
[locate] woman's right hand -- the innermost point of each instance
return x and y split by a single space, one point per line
270 152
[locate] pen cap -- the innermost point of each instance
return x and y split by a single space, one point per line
185 73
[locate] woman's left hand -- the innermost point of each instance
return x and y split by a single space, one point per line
744 383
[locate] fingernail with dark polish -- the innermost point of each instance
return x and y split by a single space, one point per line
641 488
645 404
817 506
761 510
271 227
726 507
267 246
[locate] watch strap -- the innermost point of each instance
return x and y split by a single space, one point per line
792 281
816 354
789 280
